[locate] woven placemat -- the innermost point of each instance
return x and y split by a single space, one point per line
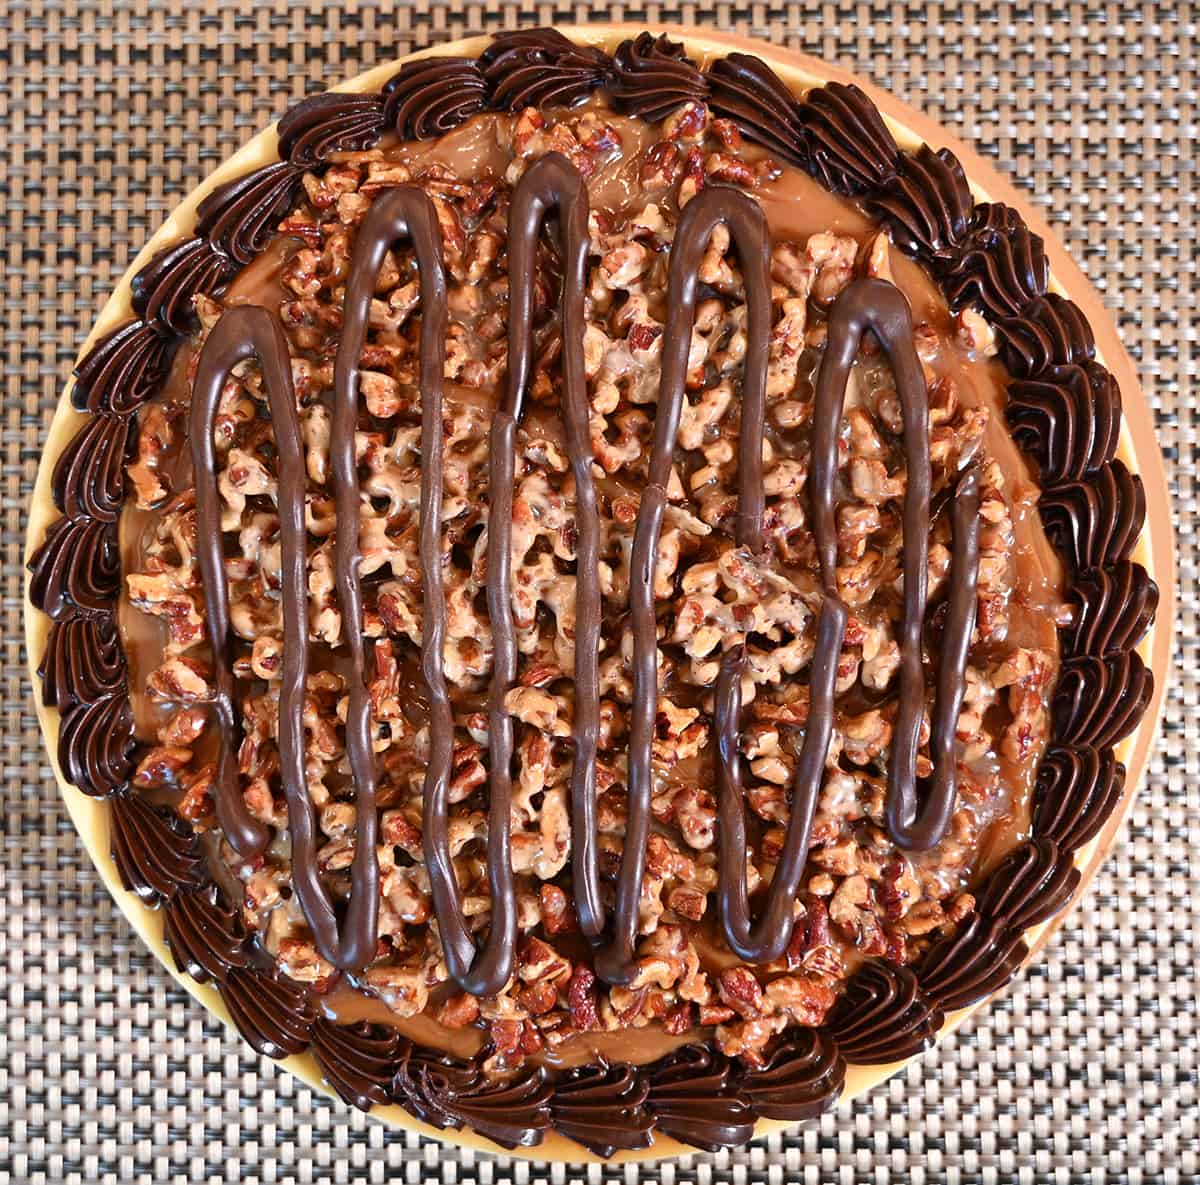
1085 1071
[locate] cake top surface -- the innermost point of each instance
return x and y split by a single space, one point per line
693 660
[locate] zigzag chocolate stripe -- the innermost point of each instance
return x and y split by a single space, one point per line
552 183
744 218
402 213
242 333
883 309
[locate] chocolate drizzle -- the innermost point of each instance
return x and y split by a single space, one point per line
714 206
883 309
603 1108
89 476
551 183
165 289
336 121
204 937
156 854
239 217
540 68
123 369
927 205
800 1079
273 1014
851 149
401 213
238 336
652 76
1067 417
77 569
83 662
745 89
883 1016
693 1097
1077 789
432 96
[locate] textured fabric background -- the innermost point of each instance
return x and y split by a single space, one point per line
1086 1071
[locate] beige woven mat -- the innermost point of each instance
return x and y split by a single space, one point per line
1086 1071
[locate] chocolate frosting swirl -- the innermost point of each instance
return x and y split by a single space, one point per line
603 1108
1115 607
156 854
428 1085
273 1014
1029 886
358 1060
851 148
83 662
123 369
1002 265
979 958
883 1016
800 1079
1096 522
77 569
541 68
653 76
745 89
430 97
205 938
693 1097
927 206
1077 789
1050 332
96 745
165 289
1099 701
1067 417
513 1113
336 121
89 477
448 1092
239 217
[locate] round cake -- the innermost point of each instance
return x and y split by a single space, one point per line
597 594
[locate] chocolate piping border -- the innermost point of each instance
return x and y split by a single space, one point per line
1097 519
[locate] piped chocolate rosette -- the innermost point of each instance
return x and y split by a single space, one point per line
598 592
